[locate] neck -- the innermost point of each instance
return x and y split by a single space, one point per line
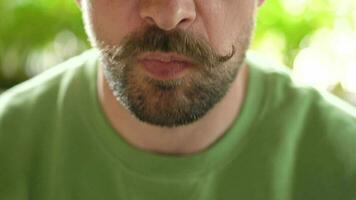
182 140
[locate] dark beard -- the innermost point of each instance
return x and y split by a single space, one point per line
169 103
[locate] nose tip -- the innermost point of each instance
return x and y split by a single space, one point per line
168 14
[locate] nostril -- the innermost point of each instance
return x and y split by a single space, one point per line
183 21
149 20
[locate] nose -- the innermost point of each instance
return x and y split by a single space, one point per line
168 14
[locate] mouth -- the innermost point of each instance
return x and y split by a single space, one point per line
165 66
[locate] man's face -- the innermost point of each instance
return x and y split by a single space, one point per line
170 61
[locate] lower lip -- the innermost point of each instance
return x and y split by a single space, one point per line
165 70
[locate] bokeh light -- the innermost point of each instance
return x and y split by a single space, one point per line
325 54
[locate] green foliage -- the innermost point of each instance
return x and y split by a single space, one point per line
293 27
27 25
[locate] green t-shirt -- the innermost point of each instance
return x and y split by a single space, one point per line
290 142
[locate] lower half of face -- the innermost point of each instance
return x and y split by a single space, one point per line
173 78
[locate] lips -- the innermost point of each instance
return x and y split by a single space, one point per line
165 66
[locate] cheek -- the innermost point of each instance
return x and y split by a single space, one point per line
109 21
228 22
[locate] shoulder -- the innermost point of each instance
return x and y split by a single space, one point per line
315 129
283 93
32 118
40 94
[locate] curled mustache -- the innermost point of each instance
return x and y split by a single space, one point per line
154 39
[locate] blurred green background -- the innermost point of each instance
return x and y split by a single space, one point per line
315 38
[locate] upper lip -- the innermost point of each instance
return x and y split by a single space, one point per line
164 57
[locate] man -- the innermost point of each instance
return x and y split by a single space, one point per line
167 107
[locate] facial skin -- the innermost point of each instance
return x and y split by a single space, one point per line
122 30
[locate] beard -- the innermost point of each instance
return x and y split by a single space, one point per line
170 103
